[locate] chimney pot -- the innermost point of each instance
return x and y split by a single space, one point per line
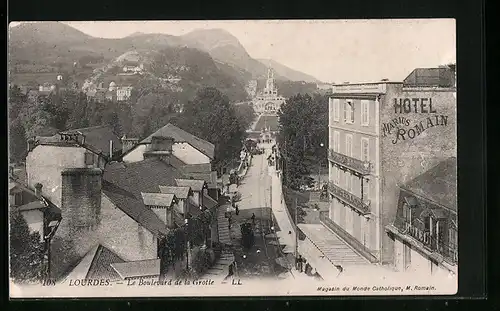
38 189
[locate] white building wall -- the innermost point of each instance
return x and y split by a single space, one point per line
183 151
135 155
188 154
34 218
44 165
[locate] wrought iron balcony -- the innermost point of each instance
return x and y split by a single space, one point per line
349 198
446 249
358 166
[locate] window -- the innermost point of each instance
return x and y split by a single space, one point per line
336 108
336 141
365 113
364 149
348 182
18 199
337 170
349 112
348 145
407 212
89 158
366 191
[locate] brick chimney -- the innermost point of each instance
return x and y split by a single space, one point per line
160 147
38 189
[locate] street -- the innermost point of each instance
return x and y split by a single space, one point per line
260 260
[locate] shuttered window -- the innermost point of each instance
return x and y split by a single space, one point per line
365 113
336 109
348 145
89 158
365 149
336 141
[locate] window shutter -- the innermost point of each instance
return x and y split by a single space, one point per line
364 149
348 145
352 112
89 158
336 108
345 111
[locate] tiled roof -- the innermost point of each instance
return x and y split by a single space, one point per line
199 176
438 184
180 135
134 269
179 192
100 268
197 168
31 206
195 184
158 199
99 137
51 211
124 183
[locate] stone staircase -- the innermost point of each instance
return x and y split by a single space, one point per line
220 269
222 226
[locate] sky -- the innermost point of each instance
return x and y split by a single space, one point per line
331 50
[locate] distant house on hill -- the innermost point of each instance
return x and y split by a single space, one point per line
123 93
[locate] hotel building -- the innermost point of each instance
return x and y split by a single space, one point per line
382 135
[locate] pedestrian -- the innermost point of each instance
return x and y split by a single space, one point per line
235 266
301 260
253 219
230 271
296 263
229 222
308 269
304 264
237 212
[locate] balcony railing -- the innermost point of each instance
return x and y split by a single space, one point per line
448 250
349 198
361 167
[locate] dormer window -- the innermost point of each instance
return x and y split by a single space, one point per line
89 158
409 203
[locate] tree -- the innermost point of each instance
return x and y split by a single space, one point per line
303 127
246 114
211 117
27 262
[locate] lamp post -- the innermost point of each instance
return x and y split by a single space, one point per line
53 225
319 169
186 222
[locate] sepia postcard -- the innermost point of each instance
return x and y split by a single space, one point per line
232 158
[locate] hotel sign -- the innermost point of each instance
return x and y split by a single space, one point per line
402 128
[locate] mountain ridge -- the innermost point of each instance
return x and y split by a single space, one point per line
219 43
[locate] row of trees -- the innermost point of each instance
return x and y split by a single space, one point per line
303 128
209 115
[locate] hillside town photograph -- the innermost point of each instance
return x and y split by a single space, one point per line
232 158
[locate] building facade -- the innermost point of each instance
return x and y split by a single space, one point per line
268 101
123 93
382 135
425 230
184 146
